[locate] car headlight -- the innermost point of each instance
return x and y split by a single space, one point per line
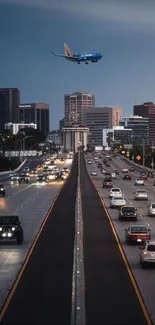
1 229
13 228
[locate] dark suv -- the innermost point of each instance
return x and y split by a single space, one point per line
2 190
23 178
11 229
107 183
127 213
127 176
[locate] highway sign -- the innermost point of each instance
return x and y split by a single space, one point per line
138 157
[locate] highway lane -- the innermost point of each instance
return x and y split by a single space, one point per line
145 279
31 202
110 297
44 293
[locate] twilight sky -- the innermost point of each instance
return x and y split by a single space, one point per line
122 30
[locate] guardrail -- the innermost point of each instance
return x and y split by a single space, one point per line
135 164
14 170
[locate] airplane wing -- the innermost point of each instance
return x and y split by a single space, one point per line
61 55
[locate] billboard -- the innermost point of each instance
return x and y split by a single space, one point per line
26 153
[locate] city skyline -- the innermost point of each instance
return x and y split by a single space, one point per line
123 32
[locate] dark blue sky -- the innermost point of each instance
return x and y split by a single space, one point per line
123 31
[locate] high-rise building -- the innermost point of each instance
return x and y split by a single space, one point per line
61 124
75 136
37 113
139 126
147 110
74 104
99 118
9 106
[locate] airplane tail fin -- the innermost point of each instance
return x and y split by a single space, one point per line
67 50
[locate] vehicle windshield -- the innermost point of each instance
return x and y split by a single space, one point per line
128 209
139 229
116 190
141 191
151 248
138 179
153 205
13 220
107 180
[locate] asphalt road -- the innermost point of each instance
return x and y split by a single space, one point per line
44 293
110 297
31 203
145 279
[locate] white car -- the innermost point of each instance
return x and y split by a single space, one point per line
125 170
141 195
115 192
51 177
89 162
93 173
117 201
15 177
139 181
113 175
147 254
151 209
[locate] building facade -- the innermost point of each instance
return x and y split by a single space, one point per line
139 126
99 118
55 137
73 106
75 136
147 110
37 113
119 135
9 106
15 127
61 123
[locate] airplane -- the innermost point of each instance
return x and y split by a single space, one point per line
81 57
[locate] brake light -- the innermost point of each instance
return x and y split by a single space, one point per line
135 214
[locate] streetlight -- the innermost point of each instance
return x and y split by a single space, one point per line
143 152
152 162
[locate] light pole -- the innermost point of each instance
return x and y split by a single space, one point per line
143 152
152 162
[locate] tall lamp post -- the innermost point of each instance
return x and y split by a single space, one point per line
143 152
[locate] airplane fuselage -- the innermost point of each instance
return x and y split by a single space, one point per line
84 57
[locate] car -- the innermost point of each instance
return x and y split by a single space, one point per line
107 164
15 178
127 213
141 195
11 229
117 201
131 169
151 209
139 181
103 171
113 175
115 191
99 165
2 190
51 177
116 171
127 177
65 169
23 178
93 173
150 174
137 234
26 170
147 254
108 173
41 178
107 182
144 176
89 162
125 170
63 176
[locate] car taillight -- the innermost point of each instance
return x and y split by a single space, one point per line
135 214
